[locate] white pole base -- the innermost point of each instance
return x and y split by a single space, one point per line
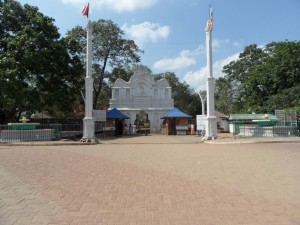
88 130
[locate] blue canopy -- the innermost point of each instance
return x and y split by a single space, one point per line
176 113
115 114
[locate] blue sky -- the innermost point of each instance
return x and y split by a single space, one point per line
171 32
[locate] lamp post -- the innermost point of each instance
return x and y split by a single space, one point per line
202 96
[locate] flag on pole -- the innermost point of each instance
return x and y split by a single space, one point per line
211 18
85 11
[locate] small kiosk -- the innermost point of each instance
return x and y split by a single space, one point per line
114 125
176 122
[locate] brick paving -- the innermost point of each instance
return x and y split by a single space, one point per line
126 183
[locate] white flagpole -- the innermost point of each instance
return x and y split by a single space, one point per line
88 121
211 123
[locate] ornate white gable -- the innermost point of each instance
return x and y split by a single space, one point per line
142 93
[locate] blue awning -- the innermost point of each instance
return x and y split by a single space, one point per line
176 113
115 114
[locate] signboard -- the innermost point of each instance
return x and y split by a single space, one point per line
281 116
182 128
99 115
201 121
108 128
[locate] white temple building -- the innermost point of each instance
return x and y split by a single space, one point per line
142 99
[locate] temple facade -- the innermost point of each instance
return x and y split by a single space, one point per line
142 99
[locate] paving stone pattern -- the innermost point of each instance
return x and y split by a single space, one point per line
153 184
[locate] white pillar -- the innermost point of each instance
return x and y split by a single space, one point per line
211 123
88 121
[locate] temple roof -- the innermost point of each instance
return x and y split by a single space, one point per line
115 114
176 113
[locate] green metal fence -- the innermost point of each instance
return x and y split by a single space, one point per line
39 132
19 133
43 132
266 129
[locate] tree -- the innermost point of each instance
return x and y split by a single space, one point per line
37 70
110 50
139 68
275 76
224 96
184 97
237 73
261 75
248 60
119 73
288 98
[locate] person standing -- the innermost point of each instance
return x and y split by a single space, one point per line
130 129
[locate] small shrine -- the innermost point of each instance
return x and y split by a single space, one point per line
115 123
176 122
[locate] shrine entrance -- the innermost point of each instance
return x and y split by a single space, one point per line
172 126
119 124
142 122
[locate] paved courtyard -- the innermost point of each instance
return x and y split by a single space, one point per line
157 183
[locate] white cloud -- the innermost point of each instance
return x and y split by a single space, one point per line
184 60
216 43
74 2
187 58
200 50
197 79
119 6
146 32
237 44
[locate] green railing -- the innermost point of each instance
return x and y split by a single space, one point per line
43 132
40 132
25 133
266 129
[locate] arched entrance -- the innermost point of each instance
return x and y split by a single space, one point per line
142 121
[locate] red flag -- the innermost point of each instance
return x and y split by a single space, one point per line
211 18
85 11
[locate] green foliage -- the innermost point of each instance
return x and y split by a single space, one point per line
224 96
119 73
287 99
110 51
184 96
37 70
262 79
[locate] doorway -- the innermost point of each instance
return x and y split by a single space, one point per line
142 122
119 127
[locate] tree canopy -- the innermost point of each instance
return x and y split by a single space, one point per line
39 71
184 96
111 52
262 80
